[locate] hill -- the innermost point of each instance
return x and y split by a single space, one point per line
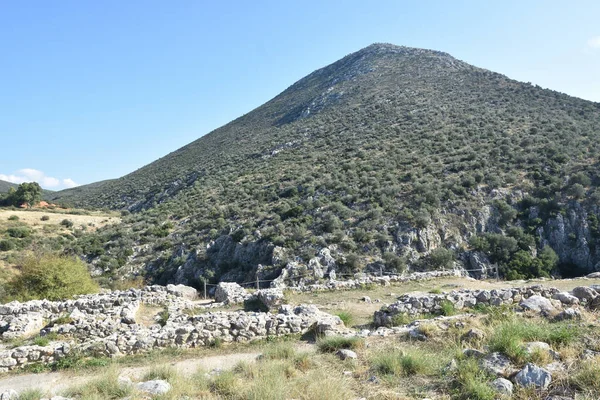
5 186
391 157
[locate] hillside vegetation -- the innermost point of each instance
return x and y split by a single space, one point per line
5 186
391 157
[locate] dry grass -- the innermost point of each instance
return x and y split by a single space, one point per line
147 314
33 219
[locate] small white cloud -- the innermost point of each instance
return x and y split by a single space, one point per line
594 43
69 183
34 175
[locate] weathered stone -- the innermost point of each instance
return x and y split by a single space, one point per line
230 293
497 364
271 298
536 303
532 347
532 375
345 354
584 293
154 387
568 314
185 292
503 386
566 298
9 395
473 334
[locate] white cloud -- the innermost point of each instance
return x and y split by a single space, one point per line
69 183
594 43
34 175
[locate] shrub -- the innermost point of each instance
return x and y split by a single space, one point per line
13 218
67 223
18 232
163 317
50 277
6 245
45 218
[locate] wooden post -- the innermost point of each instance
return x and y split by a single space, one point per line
257 283
204 281
380 270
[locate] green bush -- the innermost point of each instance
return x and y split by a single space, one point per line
19 232
67 223
50 277
45 218
13 218
6 245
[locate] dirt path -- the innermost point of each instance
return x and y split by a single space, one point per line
53 383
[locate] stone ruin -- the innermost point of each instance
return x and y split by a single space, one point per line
106 324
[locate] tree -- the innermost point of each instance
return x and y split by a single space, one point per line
28 193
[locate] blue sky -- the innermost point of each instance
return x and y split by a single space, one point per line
92 90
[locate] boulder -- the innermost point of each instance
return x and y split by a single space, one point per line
473 334
345 354
532 347
155 387
185 292
497 364
128 313
230 293
568 314
584 293
271 298
503 386
536 303
532 375
593 275
566 298
9 395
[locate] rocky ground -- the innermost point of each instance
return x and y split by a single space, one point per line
502 340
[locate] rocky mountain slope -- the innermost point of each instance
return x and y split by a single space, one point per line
389 158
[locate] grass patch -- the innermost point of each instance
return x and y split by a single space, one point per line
587 376
163 317
406 363
335 343
509 336
447 308
30 394
471 382
346 317
161 372
279 351
106 386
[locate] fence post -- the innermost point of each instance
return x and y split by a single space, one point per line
497 273
204 281
380 270
257 283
